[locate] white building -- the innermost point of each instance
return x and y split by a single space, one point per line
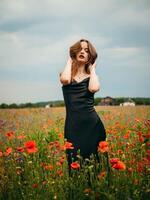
47 106
130 102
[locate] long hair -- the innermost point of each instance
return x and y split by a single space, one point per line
74 49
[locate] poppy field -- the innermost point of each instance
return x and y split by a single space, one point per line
33 161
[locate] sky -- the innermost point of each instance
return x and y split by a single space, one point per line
35 37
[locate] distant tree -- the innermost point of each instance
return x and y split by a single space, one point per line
61 103
97 100
29 105
13 105
119 100
4 105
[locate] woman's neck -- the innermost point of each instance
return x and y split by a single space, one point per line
81 69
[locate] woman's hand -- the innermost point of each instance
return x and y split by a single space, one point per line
92 66
94 84
70 60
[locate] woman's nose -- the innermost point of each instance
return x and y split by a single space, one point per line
82 50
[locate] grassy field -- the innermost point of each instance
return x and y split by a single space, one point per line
33 160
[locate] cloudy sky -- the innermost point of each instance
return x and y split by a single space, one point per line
35 37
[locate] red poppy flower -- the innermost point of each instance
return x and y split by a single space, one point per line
75 165
1 153
114 161
103 147
57 144
10 134
21 136
67 145
60 172
60 135
20 149
119 165
62 159
102 174
8 151
148 135
48 167
31 146
35 185
130 170
148 152
126 136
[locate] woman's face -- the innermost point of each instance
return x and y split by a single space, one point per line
83 55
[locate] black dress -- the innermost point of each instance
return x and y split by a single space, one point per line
83 126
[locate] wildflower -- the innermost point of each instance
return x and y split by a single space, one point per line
75 165
20 149
67 145
1 153
102 174
148 152
10 134
58 163
140 134
148 135
130 170
57 129
48 167
42 164
60 172
44 182
119 165
8 151
120 151
114 161
126 136
57 144
103 147
60 135
148 144
135 181
87 191
51 145
49 122
62 159
140 166
21 137
31 146
35 185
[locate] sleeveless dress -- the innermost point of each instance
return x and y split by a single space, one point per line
83 127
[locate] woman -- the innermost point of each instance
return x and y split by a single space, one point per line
83 127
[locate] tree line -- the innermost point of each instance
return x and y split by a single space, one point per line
60 103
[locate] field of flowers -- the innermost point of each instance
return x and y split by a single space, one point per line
33 161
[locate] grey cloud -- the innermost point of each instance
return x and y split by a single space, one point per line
35 37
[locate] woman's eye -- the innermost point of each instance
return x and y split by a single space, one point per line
86 50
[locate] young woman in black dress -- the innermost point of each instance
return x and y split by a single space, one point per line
83 127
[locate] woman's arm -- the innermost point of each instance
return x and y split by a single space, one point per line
94 84
65 76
